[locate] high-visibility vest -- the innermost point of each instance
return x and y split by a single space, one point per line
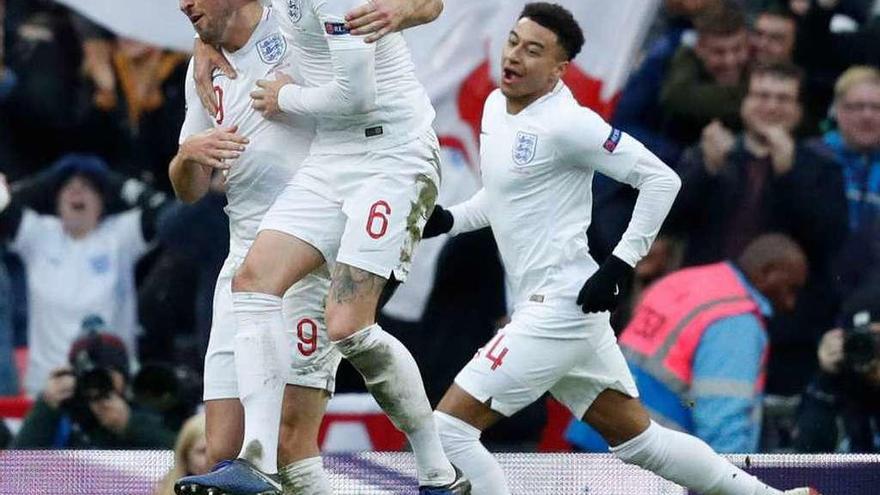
662 338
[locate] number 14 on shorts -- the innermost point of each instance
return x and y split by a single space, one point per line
494 351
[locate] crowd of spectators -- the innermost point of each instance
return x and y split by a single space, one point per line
769 110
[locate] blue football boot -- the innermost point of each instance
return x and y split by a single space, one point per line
460 486
236 477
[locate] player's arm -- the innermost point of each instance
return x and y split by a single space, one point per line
202 149
206 59
464 217
590 142
353 88
376 18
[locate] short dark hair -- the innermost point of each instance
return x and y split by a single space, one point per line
722 19
778 9
781 70
558 19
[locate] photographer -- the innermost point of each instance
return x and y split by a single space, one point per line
848 383
84 405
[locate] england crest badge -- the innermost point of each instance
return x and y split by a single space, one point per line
524 148
294 10
272 48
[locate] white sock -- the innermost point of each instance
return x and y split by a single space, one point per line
689 462
306 477
392 376
262 363
461 442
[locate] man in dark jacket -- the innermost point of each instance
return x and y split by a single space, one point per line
84 406
737 187
847 386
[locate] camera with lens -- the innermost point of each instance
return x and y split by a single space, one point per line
861 345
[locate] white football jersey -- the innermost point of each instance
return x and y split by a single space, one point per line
537 168
276 148
71 279
403 109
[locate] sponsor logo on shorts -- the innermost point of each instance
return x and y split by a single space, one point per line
524 148
373 131
272 48
336 28
613 140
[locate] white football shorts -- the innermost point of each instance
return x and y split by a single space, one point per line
515 368
315 358
366 210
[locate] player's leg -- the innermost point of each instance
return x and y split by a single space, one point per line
389 370
224 429
388 197
507 374
311 383
302 471
461 420
262 350
619 416
676 456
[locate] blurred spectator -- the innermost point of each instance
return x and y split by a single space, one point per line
697 343
856 145
707 81
177 295
8 376
85 406
847 387
134 104
773 36
80 262
638 110
39 77
190 455
737 187
825 53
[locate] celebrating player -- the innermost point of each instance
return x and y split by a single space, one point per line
539 150
358 202
257 157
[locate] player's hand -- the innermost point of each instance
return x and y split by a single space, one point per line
206 59
831 351
265 99
440 222
604 290
212 148
112 412
715 143
60 387
377 18
782 147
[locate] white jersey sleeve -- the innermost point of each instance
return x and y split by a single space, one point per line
470 215
197 118
589 141
31 230
126 229
353 88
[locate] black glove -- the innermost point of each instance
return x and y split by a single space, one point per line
604 290
440 222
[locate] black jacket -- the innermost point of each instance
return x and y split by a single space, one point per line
844 396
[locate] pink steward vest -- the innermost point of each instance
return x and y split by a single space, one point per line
668 324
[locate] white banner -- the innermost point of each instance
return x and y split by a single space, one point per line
158 22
